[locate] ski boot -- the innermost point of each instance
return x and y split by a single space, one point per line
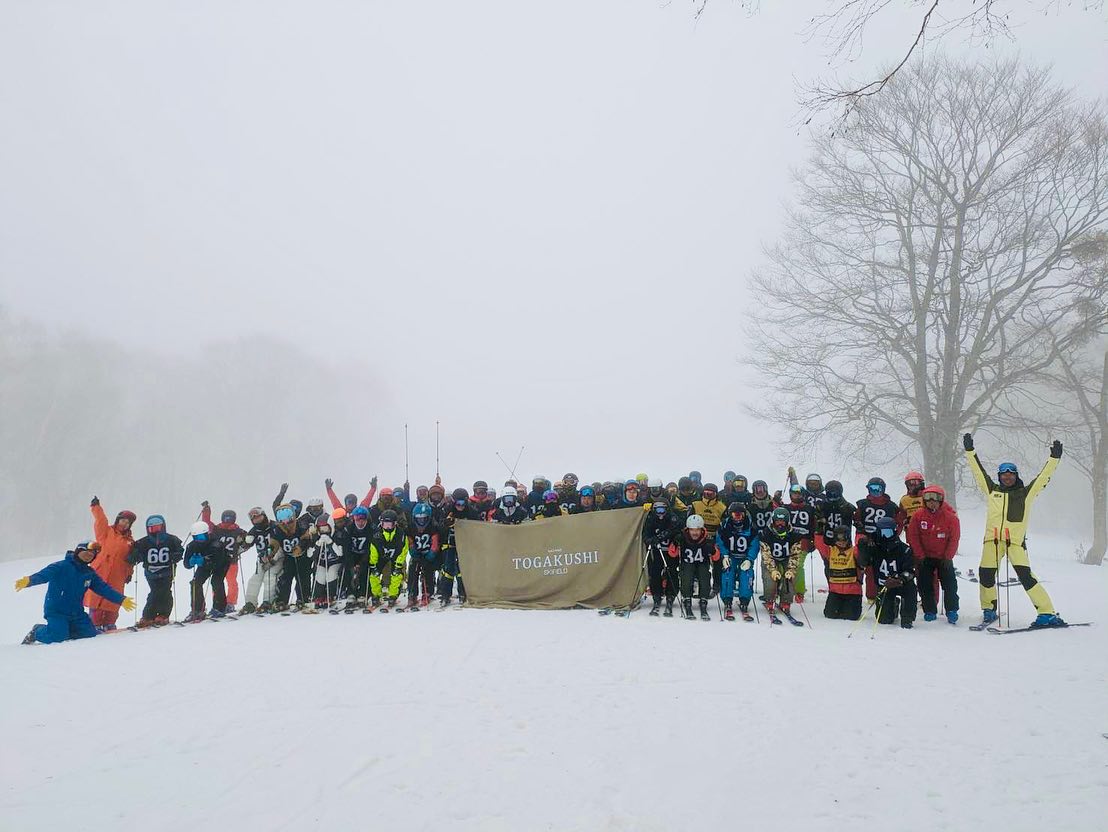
413 604
905 625
161 620
280 607
669 609
249 608
105 628
951 617
1048 619
704 610
30 637
425 599
686 607
988 616
656 609
799 598
193 617
145 623
444 602
728 613
217 614
930 616
230 608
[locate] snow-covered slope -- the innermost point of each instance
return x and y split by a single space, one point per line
491 720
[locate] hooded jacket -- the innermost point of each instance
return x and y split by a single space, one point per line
111 564
68 581
1009 509
935 534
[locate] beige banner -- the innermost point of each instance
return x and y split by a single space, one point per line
588 560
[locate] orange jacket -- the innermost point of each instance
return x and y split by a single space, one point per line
111 564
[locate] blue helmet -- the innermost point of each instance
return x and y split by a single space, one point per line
1007 468
695 476
886 527
421 514
360 511
155 524
587 491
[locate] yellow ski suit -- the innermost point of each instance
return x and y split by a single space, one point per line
1009 510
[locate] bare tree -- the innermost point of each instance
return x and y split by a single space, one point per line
843 26
927 279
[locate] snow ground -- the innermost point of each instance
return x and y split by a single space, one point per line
501 720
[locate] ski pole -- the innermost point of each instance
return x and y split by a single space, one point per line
801 605
877 615
638 584
754 593
436 450
996 579
405 454
863 616
1008 573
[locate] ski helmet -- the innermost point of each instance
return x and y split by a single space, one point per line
509 499
684 484
779 521
385 493
934 494
90 546
570 480
833 489
642 479
257 515
388 516
538 483
315 506
760 484
228 516
709 487
913 475
297 506
695 521
285 514
728 476
841 533
814 483
460 497
695 476
886 527
360 515
654 482
436 489
550 496
795 491
199 530
421 514
1007 468
349 501
322 522
480 485
129 516
875 486
661 506
739 483
737 511
421 493
155 524
338 514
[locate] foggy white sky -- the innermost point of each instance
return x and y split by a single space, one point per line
532 222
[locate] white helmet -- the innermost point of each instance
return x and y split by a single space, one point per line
199 527
695 521
655 482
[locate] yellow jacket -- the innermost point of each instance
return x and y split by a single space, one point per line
712 512
1008 508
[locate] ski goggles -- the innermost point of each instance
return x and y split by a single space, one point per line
875 489
1007 468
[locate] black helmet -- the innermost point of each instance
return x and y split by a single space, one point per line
833 489
841 532
684 484
736 508
779 522
460 495
388 516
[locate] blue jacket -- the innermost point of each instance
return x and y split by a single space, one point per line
737 541
68 579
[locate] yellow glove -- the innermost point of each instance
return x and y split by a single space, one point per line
22 583
789 574
775 575
127 603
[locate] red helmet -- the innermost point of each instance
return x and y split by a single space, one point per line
913 475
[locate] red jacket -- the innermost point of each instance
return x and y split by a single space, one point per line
935 534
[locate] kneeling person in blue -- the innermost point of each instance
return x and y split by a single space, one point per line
67 580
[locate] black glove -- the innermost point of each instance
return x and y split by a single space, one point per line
1056 449
893 583
373 482
967 441
95 501
328 482
205 504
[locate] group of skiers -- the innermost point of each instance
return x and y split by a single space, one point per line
700 541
